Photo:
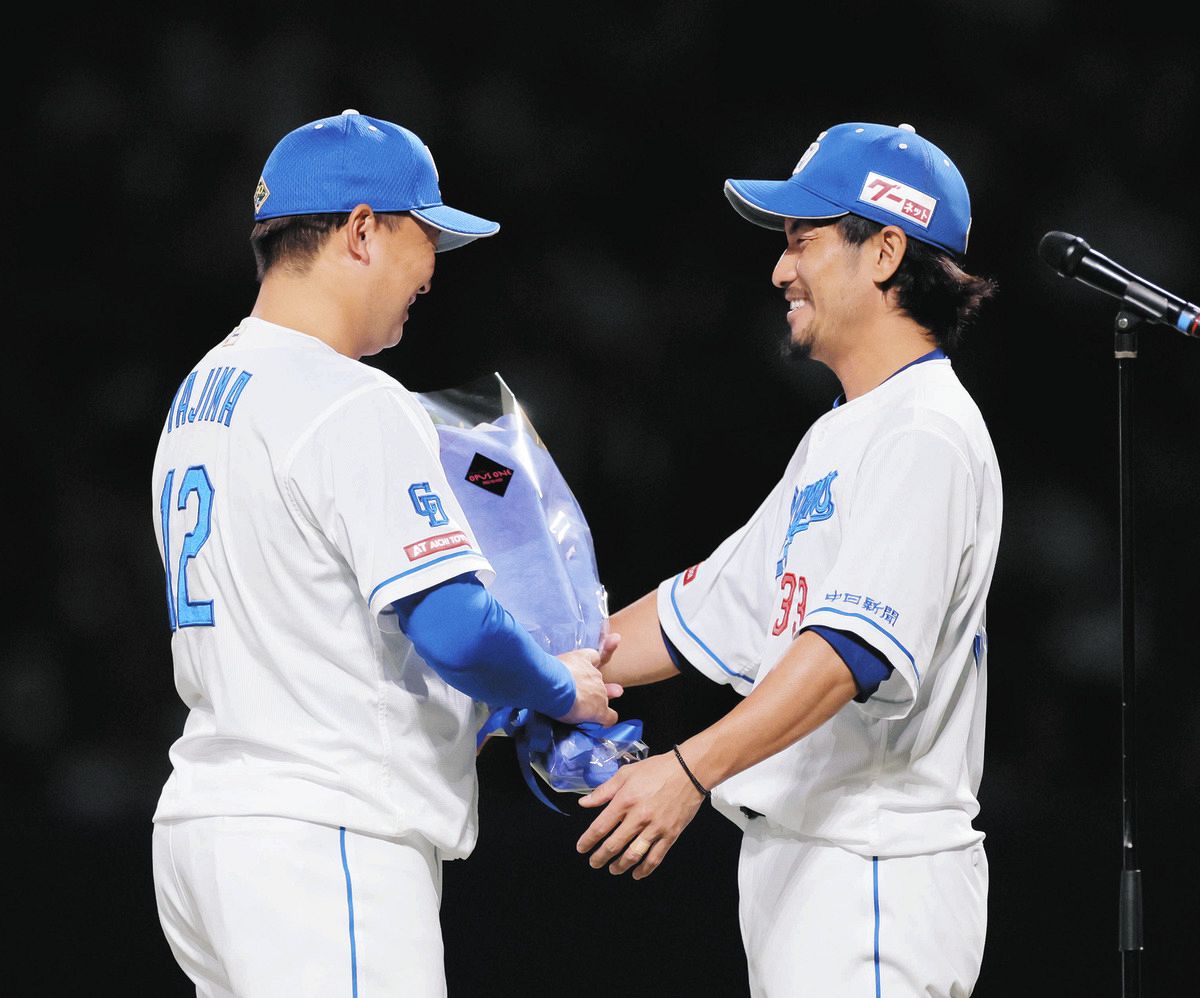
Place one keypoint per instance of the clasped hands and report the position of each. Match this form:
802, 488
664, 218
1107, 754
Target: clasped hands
647, 804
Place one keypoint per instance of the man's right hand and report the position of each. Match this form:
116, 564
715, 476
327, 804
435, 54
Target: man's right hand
592, 693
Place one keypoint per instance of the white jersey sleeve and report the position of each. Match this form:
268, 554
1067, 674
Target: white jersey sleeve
368, 478
713, 612
909, 528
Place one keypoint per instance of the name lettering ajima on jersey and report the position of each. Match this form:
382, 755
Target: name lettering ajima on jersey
218, 398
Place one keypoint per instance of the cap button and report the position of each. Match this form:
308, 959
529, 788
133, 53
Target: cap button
908, 128
351, 110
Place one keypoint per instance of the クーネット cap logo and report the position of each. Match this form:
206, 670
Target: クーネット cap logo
898, 198
261, 193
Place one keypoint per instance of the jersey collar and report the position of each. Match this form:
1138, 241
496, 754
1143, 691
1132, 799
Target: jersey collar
937, 353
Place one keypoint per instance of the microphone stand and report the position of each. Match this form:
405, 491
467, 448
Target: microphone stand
1130, 912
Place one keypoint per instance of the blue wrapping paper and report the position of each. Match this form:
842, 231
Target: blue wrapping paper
532, 530
568, 757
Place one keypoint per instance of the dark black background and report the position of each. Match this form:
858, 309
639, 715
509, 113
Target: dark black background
631, 310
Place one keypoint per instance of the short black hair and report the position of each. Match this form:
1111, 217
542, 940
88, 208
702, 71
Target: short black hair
294, 240
930, 284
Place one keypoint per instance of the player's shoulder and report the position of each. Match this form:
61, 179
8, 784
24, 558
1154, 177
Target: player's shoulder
935, 394
360, 402
941, 408
296, 382
309, 373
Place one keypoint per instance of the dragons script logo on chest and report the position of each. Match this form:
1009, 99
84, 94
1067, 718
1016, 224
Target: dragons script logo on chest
811, 504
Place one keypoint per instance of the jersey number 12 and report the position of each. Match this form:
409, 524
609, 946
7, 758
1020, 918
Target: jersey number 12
185, 612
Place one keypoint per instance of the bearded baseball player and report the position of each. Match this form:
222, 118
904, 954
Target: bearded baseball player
330, 629
848, 610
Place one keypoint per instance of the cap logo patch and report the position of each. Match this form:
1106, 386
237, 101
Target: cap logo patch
899, 199
261, 193
809, 153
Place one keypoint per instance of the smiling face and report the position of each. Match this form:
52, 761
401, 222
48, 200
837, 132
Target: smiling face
826, 287
402, 261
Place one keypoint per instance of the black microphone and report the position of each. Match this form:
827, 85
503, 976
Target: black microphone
1070, 256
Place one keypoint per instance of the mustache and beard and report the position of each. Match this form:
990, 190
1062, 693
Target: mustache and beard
792, 348
793, 351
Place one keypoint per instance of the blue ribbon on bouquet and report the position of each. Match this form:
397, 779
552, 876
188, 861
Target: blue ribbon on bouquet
533, 734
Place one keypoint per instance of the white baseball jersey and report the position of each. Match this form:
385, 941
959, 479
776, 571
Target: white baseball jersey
886, 525
296, 494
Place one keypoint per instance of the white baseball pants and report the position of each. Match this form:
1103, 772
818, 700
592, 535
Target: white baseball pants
258, 906
819, 921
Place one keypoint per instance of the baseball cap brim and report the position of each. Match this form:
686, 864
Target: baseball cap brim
457, 227
769, 202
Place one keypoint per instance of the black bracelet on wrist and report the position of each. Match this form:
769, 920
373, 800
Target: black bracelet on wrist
695, 782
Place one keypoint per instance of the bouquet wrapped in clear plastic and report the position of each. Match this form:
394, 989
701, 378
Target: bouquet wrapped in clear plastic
532, 530
568, 757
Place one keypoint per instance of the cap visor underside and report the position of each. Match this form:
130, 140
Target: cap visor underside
458, 227
769, 202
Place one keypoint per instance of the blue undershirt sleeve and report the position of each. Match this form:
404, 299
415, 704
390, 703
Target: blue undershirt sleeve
477, 647
682, 664
866, 665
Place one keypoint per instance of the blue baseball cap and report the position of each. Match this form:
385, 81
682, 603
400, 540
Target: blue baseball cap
336, 163
886, 173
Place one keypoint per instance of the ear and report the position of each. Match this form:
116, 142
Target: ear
890, 245
358, 234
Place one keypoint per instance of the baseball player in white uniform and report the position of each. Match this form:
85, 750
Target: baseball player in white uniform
330, 629
848, 610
